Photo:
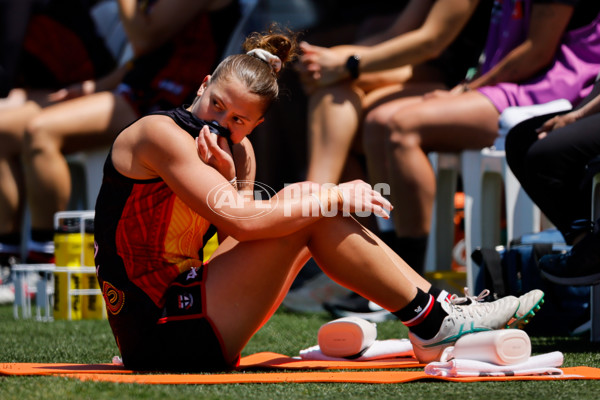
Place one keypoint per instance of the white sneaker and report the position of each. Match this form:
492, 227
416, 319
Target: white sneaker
530, 303
461, 320
467, 298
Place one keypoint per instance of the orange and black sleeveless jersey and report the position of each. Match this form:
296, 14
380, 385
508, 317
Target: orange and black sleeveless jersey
144, 233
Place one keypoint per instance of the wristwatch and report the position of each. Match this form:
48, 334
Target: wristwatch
352, 65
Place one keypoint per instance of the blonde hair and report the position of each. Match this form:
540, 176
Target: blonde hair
259, 76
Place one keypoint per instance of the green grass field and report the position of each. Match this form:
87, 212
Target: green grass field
92, 342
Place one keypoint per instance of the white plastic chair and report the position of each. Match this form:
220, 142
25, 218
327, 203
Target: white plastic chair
87, 184
447, 167
486, 176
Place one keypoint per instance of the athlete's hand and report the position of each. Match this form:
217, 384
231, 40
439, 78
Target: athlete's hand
359, 196
214, 151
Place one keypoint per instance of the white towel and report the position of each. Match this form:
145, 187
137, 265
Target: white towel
511, 116
543, 364
380, 349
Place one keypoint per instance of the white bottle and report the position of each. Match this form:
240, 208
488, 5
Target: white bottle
500, 347
346, 337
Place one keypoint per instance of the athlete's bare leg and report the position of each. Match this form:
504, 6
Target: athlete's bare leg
247, 281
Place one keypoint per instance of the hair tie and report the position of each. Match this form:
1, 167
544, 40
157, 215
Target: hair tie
264, 55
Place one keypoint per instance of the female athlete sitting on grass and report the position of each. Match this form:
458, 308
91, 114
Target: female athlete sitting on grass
169, 182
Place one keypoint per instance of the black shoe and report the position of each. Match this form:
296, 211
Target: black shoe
578, 266
355, 305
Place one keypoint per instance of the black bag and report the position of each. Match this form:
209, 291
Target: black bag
514, 271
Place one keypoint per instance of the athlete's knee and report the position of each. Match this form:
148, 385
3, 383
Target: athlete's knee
37, 137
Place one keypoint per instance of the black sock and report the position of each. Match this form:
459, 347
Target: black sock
423, 315
412, 250
438, 294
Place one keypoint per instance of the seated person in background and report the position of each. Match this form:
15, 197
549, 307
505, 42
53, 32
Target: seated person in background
550, 154
60, 47
173, 41
536, 51
430, 45
166, 178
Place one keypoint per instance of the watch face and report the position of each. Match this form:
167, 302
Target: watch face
352, 65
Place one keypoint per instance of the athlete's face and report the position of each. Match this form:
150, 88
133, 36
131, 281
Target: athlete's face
230, 104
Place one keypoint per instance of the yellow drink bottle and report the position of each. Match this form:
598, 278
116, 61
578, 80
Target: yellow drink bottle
67, 253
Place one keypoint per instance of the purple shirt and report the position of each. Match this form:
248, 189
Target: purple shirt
569, 76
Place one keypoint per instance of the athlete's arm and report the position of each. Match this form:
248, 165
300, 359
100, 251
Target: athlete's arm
155, 147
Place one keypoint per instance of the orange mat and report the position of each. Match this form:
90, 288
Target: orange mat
264, 360
59, 368
323, 377
115, 373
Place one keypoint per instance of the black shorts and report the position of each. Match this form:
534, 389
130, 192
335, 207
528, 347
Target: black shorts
177, 337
